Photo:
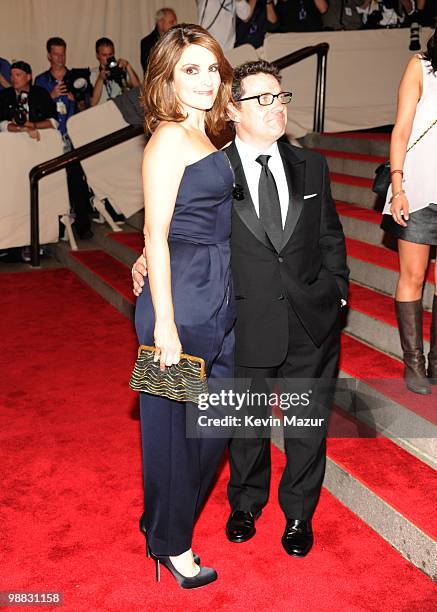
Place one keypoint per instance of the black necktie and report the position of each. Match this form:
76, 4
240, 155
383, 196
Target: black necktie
269, 206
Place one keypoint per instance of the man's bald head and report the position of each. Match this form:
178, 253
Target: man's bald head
165, 19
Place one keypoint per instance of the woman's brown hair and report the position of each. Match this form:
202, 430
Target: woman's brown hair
159, 99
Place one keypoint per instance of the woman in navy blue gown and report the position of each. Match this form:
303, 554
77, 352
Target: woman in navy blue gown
187, 298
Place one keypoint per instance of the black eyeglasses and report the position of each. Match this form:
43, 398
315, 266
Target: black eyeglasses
266, 99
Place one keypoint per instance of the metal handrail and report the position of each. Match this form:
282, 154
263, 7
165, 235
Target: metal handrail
321, 50
58, 163
110, 140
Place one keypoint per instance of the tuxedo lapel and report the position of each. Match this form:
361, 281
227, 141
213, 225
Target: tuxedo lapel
242, 202
295, 174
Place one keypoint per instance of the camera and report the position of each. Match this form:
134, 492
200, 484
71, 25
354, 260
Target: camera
77, 82
374, 18
116, 73
386, 15
20, 112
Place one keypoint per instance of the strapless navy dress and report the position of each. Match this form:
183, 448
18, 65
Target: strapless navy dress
178, 470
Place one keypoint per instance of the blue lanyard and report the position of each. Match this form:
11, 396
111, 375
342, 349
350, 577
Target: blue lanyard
108, 86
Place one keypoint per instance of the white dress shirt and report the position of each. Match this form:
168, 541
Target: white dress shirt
252, 171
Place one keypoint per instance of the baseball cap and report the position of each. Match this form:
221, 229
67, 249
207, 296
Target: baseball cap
20, 65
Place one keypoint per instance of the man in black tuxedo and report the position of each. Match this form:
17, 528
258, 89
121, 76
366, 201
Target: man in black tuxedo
290, 281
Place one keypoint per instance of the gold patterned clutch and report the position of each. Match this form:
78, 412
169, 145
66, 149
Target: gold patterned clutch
182, 382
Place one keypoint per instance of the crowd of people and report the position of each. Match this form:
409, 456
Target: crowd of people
237, 22
48, 101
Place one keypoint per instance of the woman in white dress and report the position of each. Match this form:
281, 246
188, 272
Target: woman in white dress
410, 212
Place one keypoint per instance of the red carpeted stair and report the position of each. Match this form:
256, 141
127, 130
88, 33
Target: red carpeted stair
383, 373
107, 268
379, 256
376, 159
133, 240
347, 179
358, 212
380, 307
403, 481
71, 493
360, 135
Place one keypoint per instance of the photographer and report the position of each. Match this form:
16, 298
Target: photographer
343, 15
262, 20
381, 14
300, 15
219, 17
58, 82
112, 77
5, 74
25, 107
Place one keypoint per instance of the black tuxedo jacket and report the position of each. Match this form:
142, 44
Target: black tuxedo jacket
147, 44
41, 104
308, 268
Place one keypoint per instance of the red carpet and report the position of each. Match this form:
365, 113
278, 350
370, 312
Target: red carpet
72, 495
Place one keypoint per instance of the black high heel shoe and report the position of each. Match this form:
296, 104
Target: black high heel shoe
149, 552
204, 577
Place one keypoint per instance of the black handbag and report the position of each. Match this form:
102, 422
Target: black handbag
382, 179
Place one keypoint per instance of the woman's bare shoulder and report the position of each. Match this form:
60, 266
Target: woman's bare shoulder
168, 131
414, 66
168, 137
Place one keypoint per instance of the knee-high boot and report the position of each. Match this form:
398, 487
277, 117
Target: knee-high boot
410, 318
432, 355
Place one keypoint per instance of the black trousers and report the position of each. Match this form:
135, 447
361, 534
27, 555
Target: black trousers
301, 481
79, 197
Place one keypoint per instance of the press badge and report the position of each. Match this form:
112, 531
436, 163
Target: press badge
61, 108
348, 11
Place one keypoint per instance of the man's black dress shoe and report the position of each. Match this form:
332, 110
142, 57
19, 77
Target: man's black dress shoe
241, 525
298, 537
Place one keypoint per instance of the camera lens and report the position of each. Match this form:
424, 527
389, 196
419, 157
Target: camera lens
20, 116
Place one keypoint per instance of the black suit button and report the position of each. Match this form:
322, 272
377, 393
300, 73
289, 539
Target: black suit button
280, 259
281, 297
